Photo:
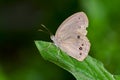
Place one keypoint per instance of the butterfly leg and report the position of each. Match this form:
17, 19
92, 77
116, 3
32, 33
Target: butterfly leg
48, 46
58, 53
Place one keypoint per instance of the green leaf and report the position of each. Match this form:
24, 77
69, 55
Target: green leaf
89, 69
117, 77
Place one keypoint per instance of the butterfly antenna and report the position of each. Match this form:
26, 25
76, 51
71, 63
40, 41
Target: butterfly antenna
47, 30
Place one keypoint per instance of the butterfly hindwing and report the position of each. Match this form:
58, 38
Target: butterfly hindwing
77, 48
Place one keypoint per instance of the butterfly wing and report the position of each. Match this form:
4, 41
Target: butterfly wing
76, 22
76, 48
71, 35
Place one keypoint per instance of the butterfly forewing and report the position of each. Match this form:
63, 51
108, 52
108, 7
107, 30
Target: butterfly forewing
77, 21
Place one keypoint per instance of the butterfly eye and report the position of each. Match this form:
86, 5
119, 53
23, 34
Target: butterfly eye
78, 36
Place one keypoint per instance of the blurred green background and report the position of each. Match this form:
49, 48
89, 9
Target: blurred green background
19, 24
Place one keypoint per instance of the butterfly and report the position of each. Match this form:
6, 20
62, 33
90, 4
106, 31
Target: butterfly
71, 37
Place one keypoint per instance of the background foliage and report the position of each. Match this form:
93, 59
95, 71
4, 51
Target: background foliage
19, 24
